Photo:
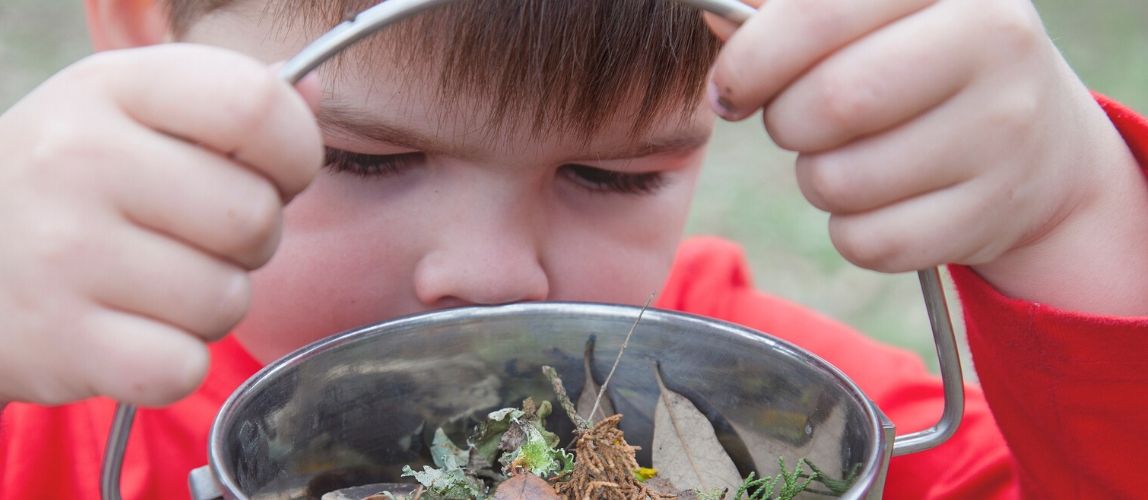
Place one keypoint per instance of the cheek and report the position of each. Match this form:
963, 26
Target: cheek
341, 264
619, 250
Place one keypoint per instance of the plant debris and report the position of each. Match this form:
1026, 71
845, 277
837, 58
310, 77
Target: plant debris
589, 398
525, 486
511, 455
605, 467
686, 449
788, 484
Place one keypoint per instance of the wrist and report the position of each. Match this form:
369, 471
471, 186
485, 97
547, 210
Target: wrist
1089, 256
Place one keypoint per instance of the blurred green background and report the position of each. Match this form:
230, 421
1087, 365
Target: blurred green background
748, 192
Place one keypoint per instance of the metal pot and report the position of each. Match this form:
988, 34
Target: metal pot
354, 408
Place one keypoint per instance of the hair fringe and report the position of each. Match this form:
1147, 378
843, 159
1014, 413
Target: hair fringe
557, 66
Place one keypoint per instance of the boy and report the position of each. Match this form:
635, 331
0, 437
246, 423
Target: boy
495, 152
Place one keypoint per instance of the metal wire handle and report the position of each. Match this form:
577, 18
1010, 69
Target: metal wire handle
388, 12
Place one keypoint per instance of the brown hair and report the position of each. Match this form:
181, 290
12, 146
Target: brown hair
566, 64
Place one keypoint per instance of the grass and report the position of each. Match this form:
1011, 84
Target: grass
747, 192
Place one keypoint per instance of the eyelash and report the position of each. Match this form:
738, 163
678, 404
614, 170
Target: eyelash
364, 165
595, 180
598, 180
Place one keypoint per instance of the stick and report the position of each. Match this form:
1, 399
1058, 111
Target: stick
625, 343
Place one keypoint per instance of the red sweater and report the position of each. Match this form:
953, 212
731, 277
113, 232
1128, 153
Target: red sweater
1067, 390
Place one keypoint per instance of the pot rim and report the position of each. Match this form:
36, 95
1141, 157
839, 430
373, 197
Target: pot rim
872, 467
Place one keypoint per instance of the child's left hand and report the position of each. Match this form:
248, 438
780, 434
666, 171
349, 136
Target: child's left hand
945, 131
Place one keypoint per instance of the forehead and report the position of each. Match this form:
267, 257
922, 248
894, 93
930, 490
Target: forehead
554, 67
358, 113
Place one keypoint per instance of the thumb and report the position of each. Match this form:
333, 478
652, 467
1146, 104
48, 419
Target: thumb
309, 88
724, 28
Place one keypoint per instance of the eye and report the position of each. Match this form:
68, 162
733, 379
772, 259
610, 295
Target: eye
599, 180
365, 165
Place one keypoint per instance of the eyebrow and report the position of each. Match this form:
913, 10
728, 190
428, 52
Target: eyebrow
357, 124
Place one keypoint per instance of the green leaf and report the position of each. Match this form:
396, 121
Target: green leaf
446, 485
538, 455
446, 454
484, 443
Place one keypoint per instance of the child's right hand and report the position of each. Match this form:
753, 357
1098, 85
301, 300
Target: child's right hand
137, 189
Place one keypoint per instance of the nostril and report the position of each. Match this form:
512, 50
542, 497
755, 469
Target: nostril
449, 302
444, 280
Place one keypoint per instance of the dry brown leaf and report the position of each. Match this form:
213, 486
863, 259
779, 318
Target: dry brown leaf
686, 449
590, 391
525, 486
765, 448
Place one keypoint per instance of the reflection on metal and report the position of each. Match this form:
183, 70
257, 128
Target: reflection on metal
114, 452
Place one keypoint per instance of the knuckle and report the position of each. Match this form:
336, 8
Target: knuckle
255, 101
59, 144
194, 364
1013, 27
255, 222
23, 378
159, 378
311, 161
864, 248
164, 385
49, 392
821, 20
823, 182
788, 130
232, 300
844, 101
65, 246
1014, 115
95, 67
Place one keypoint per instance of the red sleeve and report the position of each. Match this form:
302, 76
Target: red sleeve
56, 452
710, 278
1069, 390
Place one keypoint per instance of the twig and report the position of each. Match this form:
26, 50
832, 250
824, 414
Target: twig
563, 398
625, 343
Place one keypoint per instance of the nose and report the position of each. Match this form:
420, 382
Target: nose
487, 255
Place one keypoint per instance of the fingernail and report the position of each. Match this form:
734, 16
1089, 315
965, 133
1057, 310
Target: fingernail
720, 104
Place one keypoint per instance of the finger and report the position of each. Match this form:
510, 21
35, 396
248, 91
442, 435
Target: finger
954, 142
198, 197
875, 83
898, 164
310, 88
136, 360
786, 38
923, 232
223, 101
159, 278
719, 26
722, 27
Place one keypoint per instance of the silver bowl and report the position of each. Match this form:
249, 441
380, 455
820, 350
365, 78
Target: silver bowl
354, 408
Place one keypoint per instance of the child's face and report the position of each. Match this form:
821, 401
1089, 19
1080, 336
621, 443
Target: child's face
440, 214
